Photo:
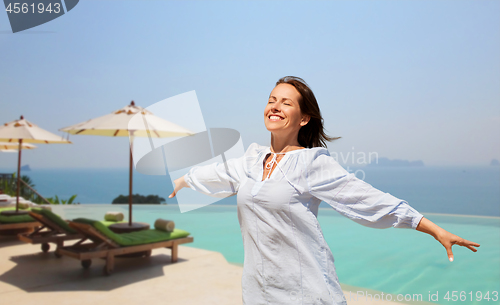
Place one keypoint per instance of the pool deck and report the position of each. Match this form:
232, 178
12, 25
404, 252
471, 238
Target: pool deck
28, 276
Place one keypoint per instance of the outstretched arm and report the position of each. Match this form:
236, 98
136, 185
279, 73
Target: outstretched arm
446, 238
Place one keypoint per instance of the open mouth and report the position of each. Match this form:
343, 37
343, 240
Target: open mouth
273, 117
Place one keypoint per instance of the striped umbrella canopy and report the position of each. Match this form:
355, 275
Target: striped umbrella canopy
21, 132
119, 123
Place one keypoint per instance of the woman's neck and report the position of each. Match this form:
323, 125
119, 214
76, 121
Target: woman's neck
283, 144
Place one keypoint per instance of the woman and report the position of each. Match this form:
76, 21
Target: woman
279, 189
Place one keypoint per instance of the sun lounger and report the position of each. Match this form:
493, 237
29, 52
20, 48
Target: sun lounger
10, 224
108, 245
53, 230
8, 201
5, 200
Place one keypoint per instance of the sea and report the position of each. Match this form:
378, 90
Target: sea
372, 264
447, 190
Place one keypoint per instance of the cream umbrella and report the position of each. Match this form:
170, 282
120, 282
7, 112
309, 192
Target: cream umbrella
119, 124
24, 131
14, 147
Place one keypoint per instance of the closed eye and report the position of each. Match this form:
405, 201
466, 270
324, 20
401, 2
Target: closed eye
286, 102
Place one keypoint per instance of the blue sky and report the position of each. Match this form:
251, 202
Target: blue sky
417, 80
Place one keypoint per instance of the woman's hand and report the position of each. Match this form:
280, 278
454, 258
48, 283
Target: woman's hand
446, 238
179, 184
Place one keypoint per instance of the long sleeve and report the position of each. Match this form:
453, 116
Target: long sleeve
220, 179
356, 199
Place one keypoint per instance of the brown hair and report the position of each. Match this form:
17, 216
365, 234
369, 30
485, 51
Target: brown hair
312, 134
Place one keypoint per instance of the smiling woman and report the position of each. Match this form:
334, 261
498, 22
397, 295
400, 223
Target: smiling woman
298, 101
279, 189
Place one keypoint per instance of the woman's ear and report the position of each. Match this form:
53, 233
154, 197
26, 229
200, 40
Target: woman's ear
305, 120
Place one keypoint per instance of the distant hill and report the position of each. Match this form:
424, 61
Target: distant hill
495, 162
25, 168
385, 162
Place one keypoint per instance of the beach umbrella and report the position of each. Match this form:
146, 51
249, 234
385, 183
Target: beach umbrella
14, 147
21, 132
119, 124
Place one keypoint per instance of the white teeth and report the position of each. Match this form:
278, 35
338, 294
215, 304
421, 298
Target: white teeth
275, 117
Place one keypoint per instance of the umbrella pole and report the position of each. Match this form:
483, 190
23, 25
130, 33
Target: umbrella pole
130, 186
18, 173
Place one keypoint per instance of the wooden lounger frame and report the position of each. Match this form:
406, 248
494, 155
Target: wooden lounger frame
53, 233
103, 247
20, 225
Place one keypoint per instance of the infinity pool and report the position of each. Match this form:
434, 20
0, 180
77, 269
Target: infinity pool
396, 261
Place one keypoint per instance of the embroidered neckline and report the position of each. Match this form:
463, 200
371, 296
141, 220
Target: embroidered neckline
269, 165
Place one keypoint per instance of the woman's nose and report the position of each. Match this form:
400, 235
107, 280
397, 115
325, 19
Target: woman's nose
276, 107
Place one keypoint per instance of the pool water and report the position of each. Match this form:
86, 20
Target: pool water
396, 261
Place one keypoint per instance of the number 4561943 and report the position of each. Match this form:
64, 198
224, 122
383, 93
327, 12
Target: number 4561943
17, 8
464, 296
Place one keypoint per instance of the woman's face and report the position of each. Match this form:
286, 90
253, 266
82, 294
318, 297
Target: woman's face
282, 113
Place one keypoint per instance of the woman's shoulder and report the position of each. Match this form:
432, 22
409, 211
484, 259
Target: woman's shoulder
255, 146
320, 166
255, 150
318, 157
316, 153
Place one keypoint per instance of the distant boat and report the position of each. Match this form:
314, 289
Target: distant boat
25, 168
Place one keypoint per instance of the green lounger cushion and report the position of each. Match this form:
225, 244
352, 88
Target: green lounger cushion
61, 222
55, 218
10, 209
13, 208
108, 223
134, 238
16, 219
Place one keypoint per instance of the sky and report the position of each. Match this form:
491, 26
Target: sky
414, 80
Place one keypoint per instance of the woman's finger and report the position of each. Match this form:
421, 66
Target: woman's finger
449, 252
461, 242
468, 244
473, 243
471, 248
178, 184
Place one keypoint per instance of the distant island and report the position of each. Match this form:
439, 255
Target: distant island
25, 168
495, 162
385, 162
136, 198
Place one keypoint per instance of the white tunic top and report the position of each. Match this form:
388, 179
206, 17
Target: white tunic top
287, 260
